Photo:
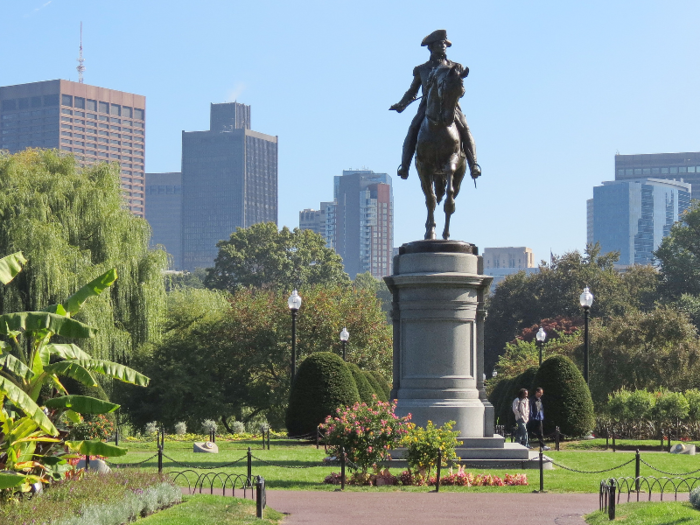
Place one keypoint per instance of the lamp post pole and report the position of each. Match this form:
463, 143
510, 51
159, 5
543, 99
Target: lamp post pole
540, 337
586, 301
344, 336
294, 303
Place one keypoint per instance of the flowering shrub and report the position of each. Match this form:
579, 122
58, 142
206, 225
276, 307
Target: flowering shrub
406, 478
467, 479
93, 427
368, 433
423, 445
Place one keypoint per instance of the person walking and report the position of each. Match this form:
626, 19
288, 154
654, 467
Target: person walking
521, 410
537, 417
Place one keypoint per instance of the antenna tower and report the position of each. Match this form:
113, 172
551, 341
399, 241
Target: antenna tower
81, 66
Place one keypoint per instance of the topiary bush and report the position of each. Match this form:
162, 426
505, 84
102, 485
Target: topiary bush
382, 382
376, 387
364, 388
567, 400
695, 497
322, 384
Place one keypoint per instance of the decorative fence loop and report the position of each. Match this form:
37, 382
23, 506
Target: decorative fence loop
649, 485
232, 481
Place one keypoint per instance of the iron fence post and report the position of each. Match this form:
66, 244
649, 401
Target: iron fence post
318, 435
268, 439
556, 439
636, 471
611, 500
116, 436
613, 439
260, 497
250, 463
342, 468
541, 471
87, 462
439, 465
160, 460
263, 438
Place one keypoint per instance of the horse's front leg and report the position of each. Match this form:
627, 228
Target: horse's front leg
449, 203
430, 203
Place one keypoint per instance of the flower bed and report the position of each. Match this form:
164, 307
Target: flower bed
459, 478
107, 499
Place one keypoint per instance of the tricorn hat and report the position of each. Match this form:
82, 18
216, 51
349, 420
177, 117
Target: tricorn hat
436, 36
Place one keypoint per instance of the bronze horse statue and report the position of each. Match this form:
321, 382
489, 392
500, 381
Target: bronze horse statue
440, 159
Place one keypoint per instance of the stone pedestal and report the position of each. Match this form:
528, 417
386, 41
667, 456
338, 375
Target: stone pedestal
438, 316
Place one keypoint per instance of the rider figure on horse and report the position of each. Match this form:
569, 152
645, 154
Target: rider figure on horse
437, 44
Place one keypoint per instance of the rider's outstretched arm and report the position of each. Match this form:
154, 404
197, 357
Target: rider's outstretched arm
410, 95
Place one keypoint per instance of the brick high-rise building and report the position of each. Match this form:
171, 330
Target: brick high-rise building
93, 123
229, 180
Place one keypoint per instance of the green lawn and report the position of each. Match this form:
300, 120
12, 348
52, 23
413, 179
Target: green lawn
627, 444
671, 513
212, 510
285, 454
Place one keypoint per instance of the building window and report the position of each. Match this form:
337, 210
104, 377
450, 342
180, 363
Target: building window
67, 111
91, 105
36, 102
118, 121
9, 105
92, 116
66, 100
116, 110
104, 107
127, 112
691, 169
654, 171
51, 100
24, 103
664, 170
682, 169
80, 102
138, 114
102, 117
674, 170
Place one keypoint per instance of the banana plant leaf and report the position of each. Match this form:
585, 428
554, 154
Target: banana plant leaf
14, 365
92, 289
8, 481
82, 404
22, 401
67, 351
42, 322
10, 266
96, 448
115, 370
73, 370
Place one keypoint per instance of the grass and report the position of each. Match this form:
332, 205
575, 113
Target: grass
285, 453
203, 509
652, 445
667, 513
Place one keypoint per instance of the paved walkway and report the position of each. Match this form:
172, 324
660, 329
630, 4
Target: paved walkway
407, 508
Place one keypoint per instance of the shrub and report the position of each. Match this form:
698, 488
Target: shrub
322, 384
695, 497
181, 428
567, 400
93, 427
238, 427
383, 383
367, 433
364, 388
382, 394
151, 428
209, 426
423, 445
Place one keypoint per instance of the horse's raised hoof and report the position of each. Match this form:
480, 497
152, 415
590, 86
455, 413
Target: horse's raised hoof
446, 235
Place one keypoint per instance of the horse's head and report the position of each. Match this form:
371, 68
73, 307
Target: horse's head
445, 89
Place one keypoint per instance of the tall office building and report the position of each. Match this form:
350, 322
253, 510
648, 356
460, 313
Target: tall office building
632, 216
229, 180
359, 223
667, 166
93, 123
164, 213
502, 262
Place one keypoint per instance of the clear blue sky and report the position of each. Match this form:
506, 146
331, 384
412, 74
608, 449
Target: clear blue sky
555, 89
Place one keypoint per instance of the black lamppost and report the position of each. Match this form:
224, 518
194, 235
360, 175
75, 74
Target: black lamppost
294, 303
586, 301
541, 336
344, 336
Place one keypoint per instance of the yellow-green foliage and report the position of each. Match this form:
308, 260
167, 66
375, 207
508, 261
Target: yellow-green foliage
72, 225
423, 445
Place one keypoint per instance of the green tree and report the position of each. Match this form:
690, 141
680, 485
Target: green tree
263, 257
72, 225
367, 281
678, 257
221, 358
522, 300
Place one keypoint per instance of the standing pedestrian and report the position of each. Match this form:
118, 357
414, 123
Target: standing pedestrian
521, 410
537, 417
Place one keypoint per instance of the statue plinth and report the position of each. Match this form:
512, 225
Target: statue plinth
438, 317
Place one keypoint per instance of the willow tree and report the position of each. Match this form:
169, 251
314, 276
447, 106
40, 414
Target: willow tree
72, 225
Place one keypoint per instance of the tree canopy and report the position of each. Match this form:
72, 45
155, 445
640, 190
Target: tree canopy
263, 257
72, 225
678, 257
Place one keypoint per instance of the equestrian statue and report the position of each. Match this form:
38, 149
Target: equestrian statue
439, 134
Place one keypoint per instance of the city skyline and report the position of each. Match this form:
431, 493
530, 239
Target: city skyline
548, 104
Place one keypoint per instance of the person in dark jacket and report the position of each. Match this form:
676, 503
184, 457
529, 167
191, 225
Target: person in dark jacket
537, 417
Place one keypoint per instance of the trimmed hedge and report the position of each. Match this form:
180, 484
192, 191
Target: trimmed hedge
376, 386
364, 388
567, 400
323, 383
382, 383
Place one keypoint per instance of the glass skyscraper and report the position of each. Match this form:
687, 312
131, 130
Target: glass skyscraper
632, 216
